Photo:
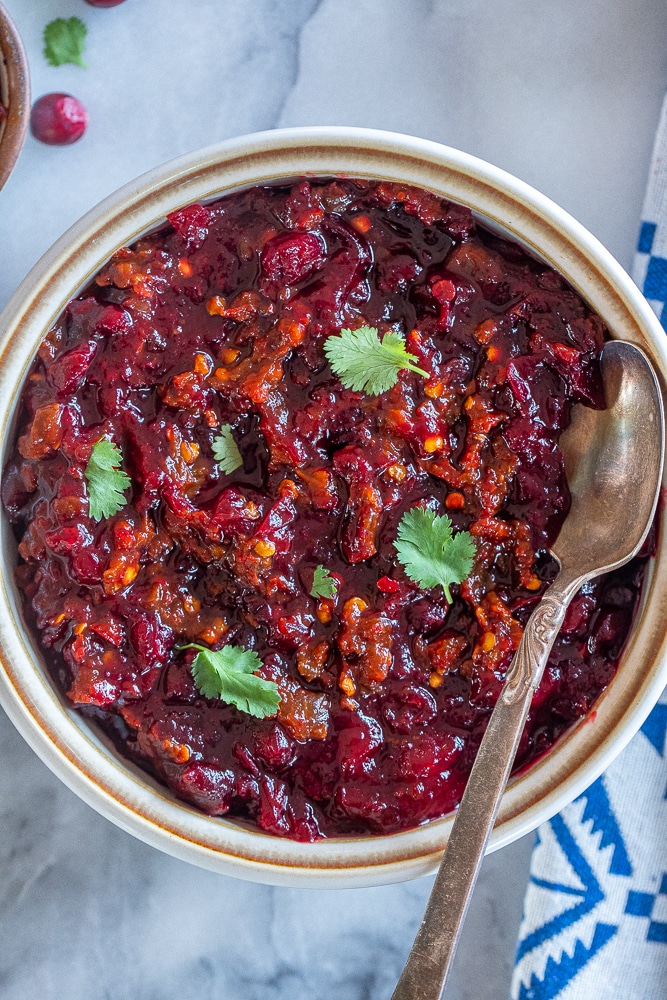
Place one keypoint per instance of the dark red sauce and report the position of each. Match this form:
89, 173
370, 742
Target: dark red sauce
220, 317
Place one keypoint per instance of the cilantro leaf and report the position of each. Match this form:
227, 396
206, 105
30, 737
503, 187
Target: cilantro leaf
428, 551
106, 480
364, 364
324, 585
229, 674
226, 451
64, 41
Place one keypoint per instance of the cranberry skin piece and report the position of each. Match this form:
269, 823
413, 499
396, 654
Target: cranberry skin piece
68, 373
274, 809
104, 3
357, 743
191, 223
58, 119
275, 747
209, 787
151, 639
291, 257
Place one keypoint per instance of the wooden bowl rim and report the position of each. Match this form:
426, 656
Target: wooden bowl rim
14, 92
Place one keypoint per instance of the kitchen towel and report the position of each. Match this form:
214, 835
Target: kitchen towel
595, 914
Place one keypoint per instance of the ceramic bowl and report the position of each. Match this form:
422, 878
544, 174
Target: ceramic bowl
75, 750
14, 94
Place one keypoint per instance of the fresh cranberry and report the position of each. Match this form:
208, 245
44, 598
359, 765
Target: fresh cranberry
58, 119
104, 3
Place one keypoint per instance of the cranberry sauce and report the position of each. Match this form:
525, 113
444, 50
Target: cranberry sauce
220, 318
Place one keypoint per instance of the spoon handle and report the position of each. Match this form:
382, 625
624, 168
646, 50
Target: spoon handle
429, 962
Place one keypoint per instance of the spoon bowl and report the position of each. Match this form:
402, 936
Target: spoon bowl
611, 460
614, 460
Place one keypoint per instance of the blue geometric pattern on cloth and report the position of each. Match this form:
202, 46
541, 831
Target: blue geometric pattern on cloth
595, 917
598, 809
595, 914
580, 891
646, 237
587, 893
655, 282
559, 975
652, 274
643, 904
655, 728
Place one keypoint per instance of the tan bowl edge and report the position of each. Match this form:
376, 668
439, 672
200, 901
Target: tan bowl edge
14, 94
83, 759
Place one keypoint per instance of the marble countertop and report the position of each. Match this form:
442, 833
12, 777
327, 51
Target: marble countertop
566, 96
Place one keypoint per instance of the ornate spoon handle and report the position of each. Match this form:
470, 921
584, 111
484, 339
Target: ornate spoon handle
429, 962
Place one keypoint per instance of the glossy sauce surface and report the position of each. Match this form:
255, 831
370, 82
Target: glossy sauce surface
218, 318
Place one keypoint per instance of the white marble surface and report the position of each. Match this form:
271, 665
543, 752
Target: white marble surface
566, 95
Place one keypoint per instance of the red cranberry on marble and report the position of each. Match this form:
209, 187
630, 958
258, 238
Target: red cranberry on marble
58, 119
104, 3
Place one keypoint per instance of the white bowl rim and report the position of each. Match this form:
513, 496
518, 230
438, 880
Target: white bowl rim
81, 757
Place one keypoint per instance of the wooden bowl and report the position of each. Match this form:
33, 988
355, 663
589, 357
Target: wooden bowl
14, 94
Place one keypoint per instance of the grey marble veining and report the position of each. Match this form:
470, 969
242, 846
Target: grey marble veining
88, 912
566, 95
164, 77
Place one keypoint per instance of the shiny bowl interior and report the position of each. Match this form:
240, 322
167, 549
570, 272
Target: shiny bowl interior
75, 750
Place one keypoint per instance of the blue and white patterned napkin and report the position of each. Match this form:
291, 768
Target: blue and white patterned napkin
595, 914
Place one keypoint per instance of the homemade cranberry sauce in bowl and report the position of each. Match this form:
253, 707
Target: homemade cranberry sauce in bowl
283, 477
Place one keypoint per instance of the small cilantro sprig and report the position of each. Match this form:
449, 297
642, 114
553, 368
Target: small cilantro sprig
366, 364
226, 451
229, 674
64, 41
324, 584
428, 551
106, 480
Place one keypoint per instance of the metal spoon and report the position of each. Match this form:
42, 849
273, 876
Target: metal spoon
613, 460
